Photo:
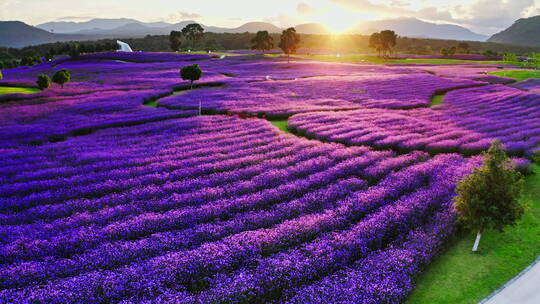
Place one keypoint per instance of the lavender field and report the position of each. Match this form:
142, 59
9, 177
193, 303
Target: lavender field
115, 189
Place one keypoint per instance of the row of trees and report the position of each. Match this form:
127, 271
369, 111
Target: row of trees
289, 41
60, 77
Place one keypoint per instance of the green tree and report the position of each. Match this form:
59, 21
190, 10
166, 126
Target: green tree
61, 77
463, 47
383, 42
375, 42
191, 72
389, 41
289, 42
43, 81
193, 32
1, 75
262, 41
175, 40
445, 52
489, 197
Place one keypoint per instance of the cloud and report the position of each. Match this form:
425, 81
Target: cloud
485, 16
181, 16
304, 9
74, 18
283, 20
367, 7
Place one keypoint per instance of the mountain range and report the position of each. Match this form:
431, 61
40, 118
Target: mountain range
18, 34
523, 32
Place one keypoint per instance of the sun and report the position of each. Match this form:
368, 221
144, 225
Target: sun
338, 21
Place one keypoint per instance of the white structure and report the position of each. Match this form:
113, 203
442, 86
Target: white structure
124, 47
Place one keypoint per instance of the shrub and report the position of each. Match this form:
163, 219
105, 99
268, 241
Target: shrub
43, 81
191, 73
1, 75
61, 77
489, 197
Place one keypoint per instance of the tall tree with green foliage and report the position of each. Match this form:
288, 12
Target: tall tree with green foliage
61, 77
175, 40
262, 41
375, 42
191, 72
43, 81
383, 42
289, 42
489, 197
193, 32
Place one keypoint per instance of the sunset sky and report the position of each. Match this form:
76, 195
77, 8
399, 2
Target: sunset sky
483, 16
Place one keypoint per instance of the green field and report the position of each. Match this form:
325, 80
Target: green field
14, 90
281, 124
458, 276
518, 75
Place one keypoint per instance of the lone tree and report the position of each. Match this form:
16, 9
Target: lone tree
43, 81
193, 32
191, 73
262, 41
384, 42
489, 197
289, 42
61, 77
175, 39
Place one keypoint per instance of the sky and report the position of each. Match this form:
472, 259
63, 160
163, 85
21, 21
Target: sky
481, 16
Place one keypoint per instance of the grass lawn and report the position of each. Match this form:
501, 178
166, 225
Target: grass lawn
377, 60
437, 100
281, 124
459, 276
14, 90
518, 75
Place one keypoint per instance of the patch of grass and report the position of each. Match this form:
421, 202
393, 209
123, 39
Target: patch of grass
437, 99
281, 124
152, 104
16, 90
460, 277
518, 75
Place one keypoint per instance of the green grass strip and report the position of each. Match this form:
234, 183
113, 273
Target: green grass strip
461, 277
16, 90
281, 124
518, 75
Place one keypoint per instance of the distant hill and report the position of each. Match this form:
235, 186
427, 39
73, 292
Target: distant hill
312, 28
18, 34
412, 27
64, 27
525, 31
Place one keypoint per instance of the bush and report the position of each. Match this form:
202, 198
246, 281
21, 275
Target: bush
1, 75
489, 197
191, 73
61, 77
43, 82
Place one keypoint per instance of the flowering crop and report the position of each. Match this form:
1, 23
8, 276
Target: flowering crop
283, 98
467, 123
107, 200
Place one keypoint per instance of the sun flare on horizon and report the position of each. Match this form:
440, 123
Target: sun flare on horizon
339, 20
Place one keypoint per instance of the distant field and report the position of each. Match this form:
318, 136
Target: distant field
518, 75
378, 60
15, 90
